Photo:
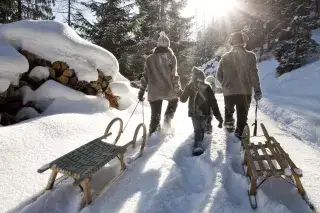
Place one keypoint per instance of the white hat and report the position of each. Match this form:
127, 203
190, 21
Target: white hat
163, 40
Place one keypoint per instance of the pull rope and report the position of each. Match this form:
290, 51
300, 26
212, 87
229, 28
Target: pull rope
133, 113
142, 112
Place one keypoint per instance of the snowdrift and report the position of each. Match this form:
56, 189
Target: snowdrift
12, 63
55, 41
293, 99
70, 119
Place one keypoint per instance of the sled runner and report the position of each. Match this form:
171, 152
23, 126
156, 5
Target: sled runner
83, 162
271, 161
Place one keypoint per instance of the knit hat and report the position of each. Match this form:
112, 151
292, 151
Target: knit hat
163, 40
198, 74
238, 39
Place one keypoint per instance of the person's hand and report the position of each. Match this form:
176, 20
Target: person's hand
140, 95
180, 92
220, 122
257, 95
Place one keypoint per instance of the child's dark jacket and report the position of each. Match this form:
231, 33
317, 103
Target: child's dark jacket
201, 99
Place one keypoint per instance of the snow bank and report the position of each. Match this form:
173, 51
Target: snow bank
55, 41
12, 63
293, 99
70, 120
39, 73
4, 84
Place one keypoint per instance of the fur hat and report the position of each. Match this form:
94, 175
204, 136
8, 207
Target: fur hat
198, 74
163, 40
238, 39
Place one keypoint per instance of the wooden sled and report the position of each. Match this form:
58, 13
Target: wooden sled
273, 162
83, 162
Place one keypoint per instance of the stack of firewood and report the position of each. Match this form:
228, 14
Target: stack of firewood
11, 100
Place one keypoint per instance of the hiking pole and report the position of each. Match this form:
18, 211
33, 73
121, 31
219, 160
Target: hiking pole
255, 121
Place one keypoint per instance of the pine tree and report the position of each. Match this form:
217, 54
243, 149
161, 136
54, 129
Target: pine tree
35, 9
114, 28
71, 10
8, 11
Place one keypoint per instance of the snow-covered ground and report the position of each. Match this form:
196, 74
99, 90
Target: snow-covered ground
166, 179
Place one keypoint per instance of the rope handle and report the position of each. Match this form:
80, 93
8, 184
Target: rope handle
133, 113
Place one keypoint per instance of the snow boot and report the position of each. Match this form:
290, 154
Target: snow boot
238, 134
197, 149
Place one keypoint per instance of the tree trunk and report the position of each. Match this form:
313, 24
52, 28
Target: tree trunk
69, 12
162, 14
19, 10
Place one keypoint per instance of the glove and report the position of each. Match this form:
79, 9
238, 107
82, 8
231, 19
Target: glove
140, 95
180, 92
220, 122
257, 95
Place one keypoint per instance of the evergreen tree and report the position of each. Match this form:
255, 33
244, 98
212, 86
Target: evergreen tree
71, 10
15, 10
35, 9
114, 28
8, 11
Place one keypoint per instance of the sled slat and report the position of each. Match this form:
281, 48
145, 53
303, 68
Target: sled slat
275, 154
261, 166
272, 167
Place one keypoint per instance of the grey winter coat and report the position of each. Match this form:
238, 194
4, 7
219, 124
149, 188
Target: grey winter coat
160, 75
238, 72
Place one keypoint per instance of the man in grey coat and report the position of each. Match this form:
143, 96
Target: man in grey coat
162, 81
238, 75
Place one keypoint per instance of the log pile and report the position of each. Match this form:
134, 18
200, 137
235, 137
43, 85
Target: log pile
11, 101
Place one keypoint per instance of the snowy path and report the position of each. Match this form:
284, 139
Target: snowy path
169, 179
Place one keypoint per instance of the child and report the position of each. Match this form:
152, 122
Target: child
212, 82
201, 101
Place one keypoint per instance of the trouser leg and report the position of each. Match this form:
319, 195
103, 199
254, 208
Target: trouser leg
171, 110
243, 105
209, 125
199, 125
156, 107
229, 104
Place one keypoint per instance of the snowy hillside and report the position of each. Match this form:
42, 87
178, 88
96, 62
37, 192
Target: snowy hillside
293, 99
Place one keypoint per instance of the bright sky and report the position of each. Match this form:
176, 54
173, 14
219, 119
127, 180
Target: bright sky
202, 10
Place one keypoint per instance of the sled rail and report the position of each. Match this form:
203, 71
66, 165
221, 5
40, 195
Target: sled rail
85, 161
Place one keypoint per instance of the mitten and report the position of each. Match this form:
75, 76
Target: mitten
257, 95
140, 95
